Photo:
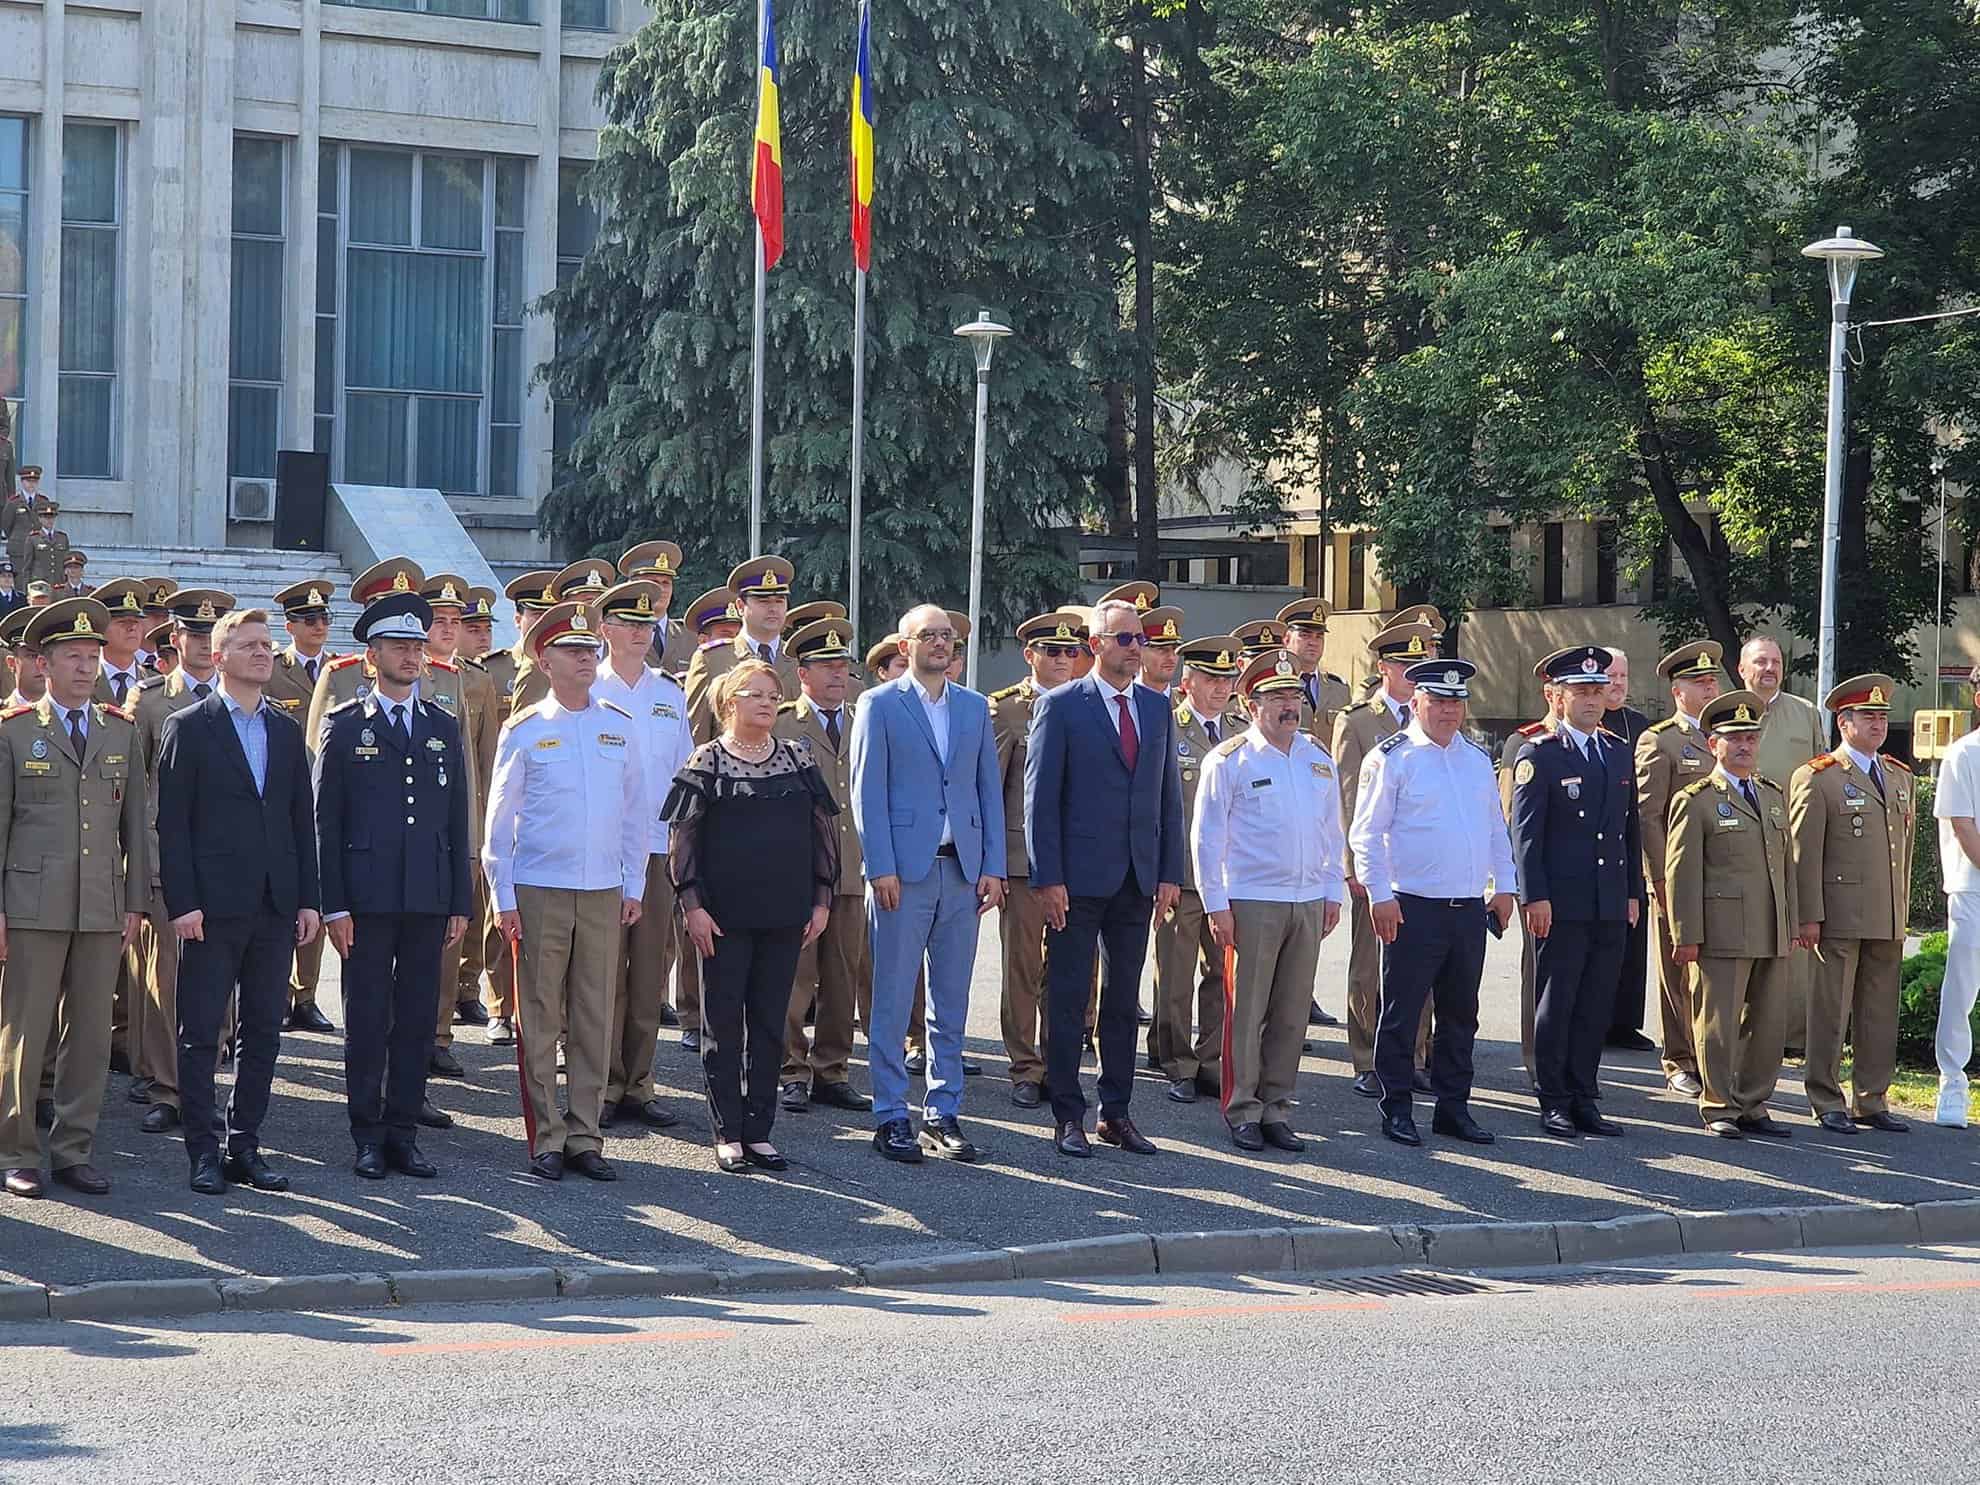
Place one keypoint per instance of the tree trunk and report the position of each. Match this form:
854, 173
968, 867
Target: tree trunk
1706, 577
1147, 496
1115, 484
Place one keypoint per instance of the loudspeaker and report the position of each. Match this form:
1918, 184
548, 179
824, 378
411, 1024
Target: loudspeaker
302, 500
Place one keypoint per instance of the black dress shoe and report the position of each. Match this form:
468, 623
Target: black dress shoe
1588, 1119
24, 1181
944, 1137
406, 1159
1183, 1090
1071, 1140
307, 1017
1209, 1085
895, 1140
1027, 1095
120, 1061
1420, 1081
84, 1179
1885, 1121
1367, 1085
1122, 1134
917, 1064
548, 1166
1401, 1128
1459, 1125
209, 1176
471, 1012
841, 1095
656, 1115
1767, 1125
668, 1016
1836, 1122
370, 1162
162, 1119
591, 1164
1629, 1041
691, 1042
251, 1168
444, 1064
1560, 1124
770, 1159
1247, 1136
1315, 1016
608, 1114
44, 1113
432, 1116
140, 1091
972, 1069
1725, 1129
795, 1097
1279, 1135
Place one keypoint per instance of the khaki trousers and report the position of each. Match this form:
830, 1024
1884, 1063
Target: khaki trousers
474, 948
157, 1056
1796, 991
570, 944
1364, 996
55, 1001
1674, 999
1853, 994
456, 982
302, 979
835, 974
1021, 926
1278, 945
1736, 1032
498, 995
1189, 994
639, 988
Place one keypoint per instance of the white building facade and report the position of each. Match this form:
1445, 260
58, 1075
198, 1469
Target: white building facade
229, 227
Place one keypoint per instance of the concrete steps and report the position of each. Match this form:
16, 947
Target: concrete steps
253, 575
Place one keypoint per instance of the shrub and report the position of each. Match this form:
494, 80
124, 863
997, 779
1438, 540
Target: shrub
1928, 892
1918, 1004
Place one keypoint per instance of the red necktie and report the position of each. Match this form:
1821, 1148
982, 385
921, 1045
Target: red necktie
1130, 742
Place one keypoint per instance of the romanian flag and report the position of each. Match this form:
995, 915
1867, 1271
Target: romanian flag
766, 170
862, 148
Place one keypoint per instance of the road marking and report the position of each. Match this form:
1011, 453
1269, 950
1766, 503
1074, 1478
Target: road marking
548, 1343
1842, 1286
1192, 1312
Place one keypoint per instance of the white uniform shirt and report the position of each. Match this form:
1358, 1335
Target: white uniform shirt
936, 710
1427, 820
1268, 824
1958, 795
563, 781
659, 709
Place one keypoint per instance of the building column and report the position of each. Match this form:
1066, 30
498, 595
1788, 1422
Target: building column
305, 182
540, 257
209, 285
44, 330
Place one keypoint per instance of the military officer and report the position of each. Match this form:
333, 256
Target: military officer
1260, 636
163, 650
1049, 640
16, 502
116, 685
157, 591
395, 895
674, 641
1186, 1039
1852, 814
27, 672
1358, 731
884, 660
531, 594
1575, 841
73, 840
800, 614
1626, 1021
74, 564
46, 547
306, 614
1161, 628
478, 626
1534, 731
1734, 916
1670, 756
763, 584
581, 582
1325, 693
716, 618
155, 1053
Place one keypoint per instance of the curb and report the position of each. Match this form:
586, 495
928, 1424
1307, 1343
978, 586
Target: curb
1307, 1248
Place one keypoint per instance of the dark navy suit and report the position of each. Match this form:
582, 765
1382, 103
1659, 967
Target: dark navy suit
1576, 840
1632, 987
1109, 836
392, 833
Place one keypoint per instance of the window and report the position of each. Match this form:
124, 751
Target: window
1605, 561
1660, 571
487, 10
587, 15
419, 313
13, 275
254, 347
577, 232
86, 410
1552, 562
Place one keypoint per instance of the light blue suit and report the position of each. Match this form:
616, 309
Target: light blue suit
904, 792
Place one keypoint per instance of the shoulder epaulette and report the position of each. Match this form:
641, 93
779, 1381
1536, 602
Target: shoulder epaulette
1011, 690
438, 664
108, 709
1663, 726
1898, 763
787, 706
1228, 746
1476, 744
1184, 716
1533, 729
1770, 783
1393, 741
153, 682
471, 662
1692, 788
343, 706
341, 662
1611, 732
1821, 761
15, 711
613, 706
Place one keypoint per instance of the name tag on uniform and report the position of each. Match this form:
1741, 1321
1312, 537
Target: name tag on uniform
289, 705
1321, 771
662, 709
1732, 824
435, 745
33, 765
1261, 783
611, 740
113, 757
365, 752
543, 743
1573, 786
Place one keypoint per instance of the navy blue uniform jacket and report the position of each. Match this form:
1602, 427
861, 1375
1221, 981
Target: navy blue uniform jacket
392, 825
1575, 831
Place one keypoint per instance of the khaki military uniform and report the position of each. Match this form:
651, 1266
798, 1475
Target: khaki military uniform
499, 996
1670, 756
483, 706
1021, 921
672, 654
154, 958
835, 970
1790, 735
1318, 722
73, 841
1529, 966
1189, 967
1732, 893
1852, 868
290, 688
1357, 732
711, 664
42, 556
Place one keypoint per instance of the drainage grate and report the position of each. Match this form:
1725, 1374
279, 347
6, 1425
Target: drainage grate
1405, 1283
1593, 1278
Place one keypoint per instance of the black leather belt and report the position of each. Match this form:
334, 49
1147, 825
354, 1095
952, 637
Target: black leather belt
1445, 902
947, 848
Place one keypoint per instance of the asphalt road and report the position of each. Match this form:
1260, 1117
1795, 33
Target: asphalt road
841, 1202
1816, 1366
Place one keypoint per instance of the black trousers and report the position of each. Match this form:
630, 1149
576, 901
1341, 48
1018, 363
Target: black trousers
391, 987
745, 991
1118, 927
1575, 968
1438, 955
252, 951
1632, 980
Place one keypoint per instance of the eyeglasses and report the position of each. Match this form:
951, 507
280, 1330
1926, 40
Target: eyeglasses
1134, 639
934, 636
1058, 652
758, 696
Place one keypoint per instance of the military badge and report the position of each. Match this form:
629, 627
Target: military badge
40, 748
1523, 774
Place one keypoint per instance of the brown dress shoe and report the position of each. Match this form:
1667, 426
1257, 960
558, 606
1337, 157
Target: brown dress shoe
24, 1182
1121, 1132
86, 1179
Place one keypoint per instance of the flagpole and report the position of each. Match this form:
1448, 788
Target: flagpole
859, 446
756, 352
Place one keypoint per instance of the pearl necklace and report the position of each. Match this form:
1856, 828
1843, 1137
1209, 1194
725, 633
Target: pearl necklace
750, 752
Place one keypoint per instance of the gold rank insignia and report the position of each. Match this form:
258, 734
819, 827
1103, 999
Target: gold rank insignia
207, 611
1876, 696
769, 581
448, 594
400, 583
1064, 631
82, 625
1141, 603
549, 593
1415, 645
315, 599
833, 637
1169, 630
662, 565
1224, 658
1744, 713
159, 595
645, 604
130, 605
579, 622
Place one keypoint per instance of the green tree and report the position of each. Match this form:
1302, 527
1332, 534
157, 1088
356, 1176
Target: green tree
988, 194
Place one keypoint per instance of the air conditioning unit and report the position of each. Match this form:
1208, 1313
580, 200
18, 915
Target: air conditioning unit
250, 500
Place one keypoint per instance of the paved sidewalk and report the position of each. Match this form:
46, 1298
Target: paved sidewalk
840, 1202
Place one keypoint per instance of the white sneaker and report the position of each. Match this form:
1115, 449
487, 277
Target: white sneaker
1951, 1113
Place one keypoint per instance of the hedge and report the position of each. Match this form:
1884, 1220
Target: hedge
1928, 892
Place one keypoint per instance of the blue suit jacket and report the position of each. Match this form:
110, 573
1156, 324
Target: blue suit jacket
902, 791
1575, 828
1088, 821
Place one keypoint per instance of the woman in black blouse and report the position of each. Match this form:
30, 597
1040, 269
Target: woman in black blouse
755, 860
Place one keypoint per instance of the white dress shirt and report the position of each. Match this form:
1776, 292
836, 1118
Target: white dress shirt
1109, 694
1268, 824
936, 710
563, 780
1427, 821
659, 709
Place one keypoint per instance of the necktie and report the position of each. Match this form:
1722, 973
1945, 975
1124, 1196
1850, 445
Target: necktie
1752, 799
76, 739
120, 687
202, 690
768, 658
309, 668
1130, 740
1210, 730
1877, 777
832, 728
399, 726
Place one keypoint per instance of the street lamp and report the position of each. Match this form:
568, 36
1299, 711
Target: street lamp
982, 333
1843, 253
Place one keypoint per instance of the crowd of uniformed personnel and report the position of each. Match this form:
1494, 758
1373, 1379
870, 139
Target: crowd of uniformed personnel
1770, 873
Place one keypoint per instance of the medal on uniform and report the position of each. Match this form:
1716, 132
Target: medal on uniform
40, 748
367, 737
443, 778
363, 691
435, 745
1573, 787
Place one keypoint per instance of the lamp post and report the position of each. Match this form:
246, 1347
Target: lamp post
1843, 253
1939, 612
982, 333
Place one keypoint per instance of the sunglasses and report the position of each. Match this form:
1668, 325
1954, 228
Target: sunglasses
1134, 639
1058, 652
